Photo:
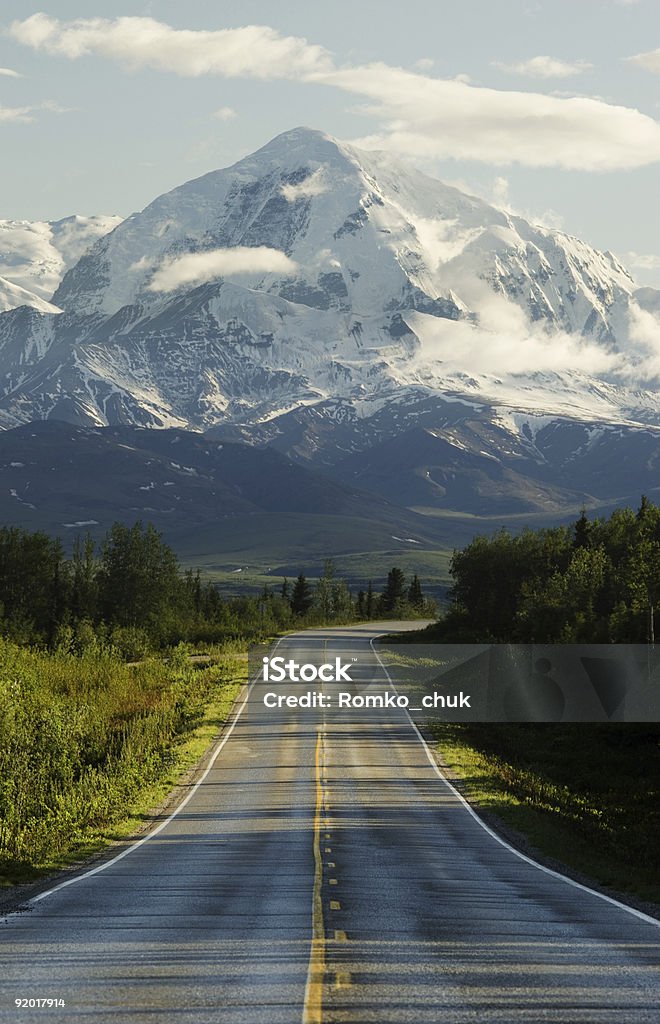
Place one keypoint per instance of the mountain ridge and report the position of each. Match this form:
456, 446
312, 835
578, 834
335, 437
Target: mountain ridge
325, 300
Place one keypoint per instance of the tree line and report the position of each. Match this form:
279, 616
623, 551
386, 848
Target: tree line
131, 592
595, 581
332, 599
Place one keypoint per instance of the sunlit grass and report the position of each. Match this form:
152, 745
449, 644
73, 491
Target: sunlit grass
89, 744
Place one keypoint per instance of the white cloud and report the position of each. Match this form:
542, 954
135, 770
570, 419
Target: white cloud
644, 266
500, 193
144, 263
224, 114
20, 115
650, 61
8, 73
420, 116
643, 351
425, 64
504, 343
545, 67
196, 268
26, 115
257, 51
643, 261
435, 119
314, 185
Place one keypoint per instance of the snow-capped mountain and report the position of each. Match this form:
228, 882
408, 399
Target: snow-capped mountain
324, 300
12, 296
368, 235
35, 255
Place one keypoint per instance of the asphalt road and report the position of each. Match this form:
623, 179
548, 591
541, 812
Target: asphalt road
324, 871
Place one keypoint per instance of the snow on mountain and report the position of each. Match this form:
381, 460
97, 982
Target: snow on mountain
368, 233
12, 295
314, 295
35, 255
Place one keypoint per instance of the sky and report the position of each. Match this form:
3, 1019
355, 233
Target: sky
550, 108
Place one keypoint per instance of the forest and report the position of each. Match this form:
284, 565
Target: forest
597, 581
130, 594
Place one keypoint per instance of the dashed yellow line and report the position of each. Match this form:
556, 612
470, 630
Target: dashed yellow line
335, 905
313, 1006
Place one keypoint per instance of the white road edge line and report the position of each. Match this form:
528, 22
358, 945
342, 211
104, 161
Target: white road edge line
498, 839
163, 824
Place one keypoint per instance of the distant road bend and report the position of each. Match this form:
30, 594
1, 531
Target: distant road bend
324, 871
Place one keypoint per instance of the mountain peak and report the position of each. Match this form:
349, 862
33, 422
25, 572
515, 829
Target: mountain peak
311, 272
292, 149
301, 135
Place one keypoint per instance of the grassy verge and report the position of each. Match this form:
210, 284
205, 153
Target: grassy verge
584, 796
90, 746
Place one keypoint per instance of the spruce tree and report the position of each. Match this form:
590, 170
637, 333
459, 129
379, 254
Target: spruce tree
301, 598
370, 604
415, 595
394, 590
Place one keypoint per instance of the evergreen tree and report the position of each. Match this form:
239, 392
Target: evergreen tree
415, 595
301, 598
582, 531
370, 603
138, 578
84, 583
34, 582
394, 592
332, 599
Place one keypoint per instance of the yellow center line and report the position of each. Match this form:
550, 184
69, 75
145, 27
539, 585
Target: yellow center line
313, 1006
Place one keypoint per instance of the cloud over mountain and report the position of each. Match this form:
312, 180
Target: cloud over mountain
196, 268
420, 116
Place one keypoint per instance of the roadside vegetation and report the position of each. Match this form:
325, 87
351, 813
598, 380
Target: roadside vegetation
84, 737
597, 581
131, 595
587, 795
102, 702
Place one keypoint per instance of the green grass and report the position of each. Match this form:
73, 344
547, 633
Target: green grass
266, 549
264, 541
88, 746
585, 796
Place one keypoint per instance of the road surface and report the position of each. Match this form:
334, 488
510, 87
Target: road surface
323, 871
